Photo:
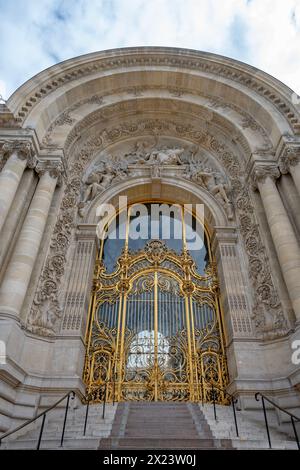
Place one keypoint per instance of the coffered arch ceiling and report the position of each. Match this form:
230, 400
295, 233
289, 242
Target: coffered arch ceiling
214, 94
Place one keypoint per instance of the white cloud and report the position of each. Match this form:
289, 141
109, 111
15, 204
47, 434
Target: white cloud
35, 34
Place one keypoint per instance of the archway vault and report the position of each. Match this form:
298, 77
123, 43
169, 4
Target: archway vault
99, 125
62, 95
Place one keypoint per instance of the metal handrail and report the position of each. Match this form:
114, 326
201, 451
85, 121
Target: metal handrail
88, 399
43, 413
292, 416
219, 388
233, 399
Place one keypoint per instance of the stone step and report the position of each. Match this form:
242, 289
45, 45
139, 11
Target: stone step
159, 425
156, 443
152, 426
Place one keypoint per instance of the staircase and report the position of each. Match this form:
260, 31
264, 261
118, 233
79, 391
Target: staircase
160, 425
97, 427
252, 430
153, 425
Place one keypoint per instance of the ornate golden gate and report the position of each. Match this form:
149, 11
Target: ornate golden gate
154, 329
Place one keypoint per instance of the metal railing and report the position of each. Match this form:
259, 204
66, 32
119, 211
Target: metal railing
213, 395
104, 398
43, 414
233, 400
292, 417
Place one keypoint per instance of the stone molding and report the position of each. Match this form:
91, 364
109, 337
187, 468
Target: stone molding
206, 110
164, 58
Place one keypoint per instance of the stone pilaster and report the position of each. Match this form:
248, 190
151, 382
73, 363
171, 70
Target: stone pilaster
17, 276
20, 156
281, 229
80, 277
233, 279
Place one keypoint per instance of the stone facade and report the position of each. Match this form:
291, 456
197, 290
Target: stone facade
149, 123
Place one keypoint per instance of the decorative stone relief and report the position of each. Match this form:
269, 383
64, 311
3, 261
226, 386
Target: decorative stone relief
214, 183
246, 122
46, 311
202, 111
65, 118
156, 157
268, 316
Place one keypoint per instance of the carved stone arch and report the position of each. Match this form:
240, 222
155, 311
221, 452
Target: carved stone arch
217, 114
222, 233
79, 162
238, 116
141, 189
261, 94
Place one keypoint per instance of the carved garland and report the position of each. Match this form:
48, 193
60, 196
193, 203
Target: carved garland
46, 311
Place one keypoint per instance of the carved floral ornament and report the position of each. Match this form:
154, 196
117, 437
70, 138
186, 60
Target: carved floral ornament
22, 148
46, 311
261, 172
54, 168
230, 117
25, 151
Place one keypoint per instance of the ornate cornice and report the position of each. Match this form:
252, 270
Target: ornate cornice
174, 61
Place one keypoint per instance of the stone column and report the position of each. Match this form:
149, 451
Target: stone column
282, 232
20, 156
290, 163
18, 273
16, 215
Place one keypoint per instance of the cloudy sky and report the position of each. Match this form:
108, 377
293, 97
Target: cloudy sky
35, 34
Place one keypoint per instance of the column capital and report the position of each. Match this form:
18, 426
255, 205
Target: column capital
290, 157
261, 172
23, 149
53, 168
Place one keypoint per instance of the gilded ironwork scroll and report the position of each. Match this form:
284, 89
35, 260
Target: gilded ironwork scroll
154, 330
